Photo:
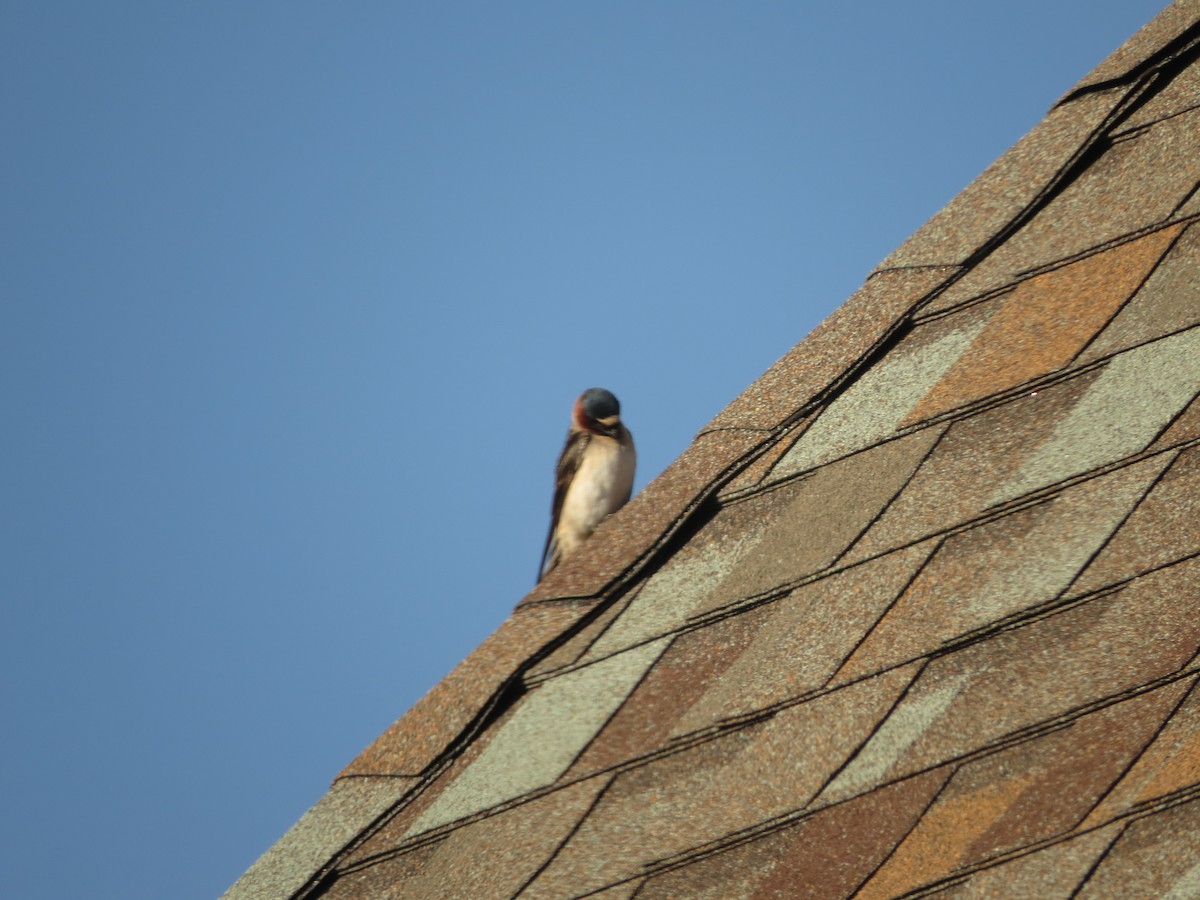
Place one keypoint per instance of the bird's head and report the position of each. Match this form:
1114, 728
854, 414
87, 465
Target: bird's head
598, 411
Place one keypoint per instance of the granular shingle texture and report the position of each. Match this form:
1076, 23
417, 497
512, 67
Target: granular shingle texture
918, 613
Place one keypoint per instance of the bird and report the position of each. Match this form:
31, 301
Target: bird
594, 475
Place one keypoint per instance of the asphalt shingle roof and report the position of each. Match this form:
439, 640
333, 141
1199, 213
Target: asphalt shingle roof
919, 610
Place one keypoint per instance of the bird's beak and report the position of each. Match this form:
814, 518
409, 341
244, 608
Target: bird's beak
608, 424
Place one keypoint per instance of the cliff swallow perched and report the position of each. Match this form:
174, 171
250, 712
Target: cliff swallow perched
594, 476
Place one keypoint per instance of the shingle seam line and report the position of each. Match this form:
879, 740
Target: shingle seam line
1033, 614
624, 601
908, 833
1163, 802
921, 666
1100, 857
640, 681
325, 875
879, 513
985, 516
1162, 726
1129, 299
964, 874
1180, 413
501, 699
1020, 619
1138, 130
566, 839
1111, 536
882, 615
1184, 202
441, 832
747, 835
1020, 276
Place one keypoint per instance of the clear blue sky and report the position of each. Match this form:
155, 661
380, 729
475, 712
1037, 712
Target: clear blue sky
296, 299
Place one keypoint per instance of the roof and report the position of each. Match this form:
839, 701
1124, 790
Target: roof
920, 610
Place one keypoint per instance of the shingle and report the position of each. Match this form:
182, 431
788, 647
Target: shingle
673, 592
1164, 528
1054, 871
1023, 795
1003, 567
903, 727
333, 821
1170, 764
753, 475
1181, 93
397, 829
958, 479
1186, 427
1190, 206
688, 798
420, 735
1056, 778
574, 647
1007, 187
1158, 856
1044, 322
1136, 395
817, 518
356, 886
1166, 303
846, 335
793, 650
880, 399
543, 737
489, 858
1019, 678
393, 830
623, 540
1135, 185
1150, 39
825, 855
693, 661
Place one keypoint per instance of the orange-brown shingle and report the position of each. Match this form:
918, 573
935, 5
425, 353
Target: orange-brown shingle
1045, 321
1022, 795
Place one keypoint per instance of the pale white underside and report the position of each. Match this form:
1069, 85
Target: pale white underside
602, 484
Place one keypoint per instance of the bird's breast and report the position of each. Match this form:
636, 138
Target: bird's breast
601, 485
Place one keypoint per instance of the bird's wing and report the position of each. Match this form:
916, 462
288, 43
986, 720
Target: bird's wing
625, 438
564, 474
